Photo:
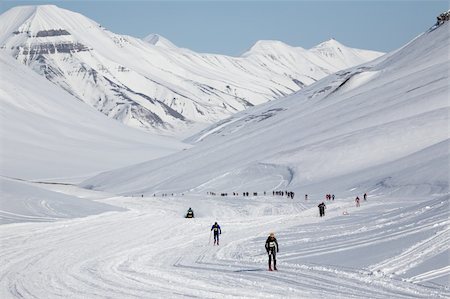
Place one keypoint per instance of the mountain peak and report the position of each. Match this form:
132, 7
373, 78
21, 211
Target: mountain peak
329, 44
267, 46
35, 8
33, 19
46, 8
340, 55
158, 40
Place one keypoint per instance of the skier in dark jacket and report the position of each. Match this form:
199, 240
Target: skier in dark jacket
322, 208
272, 249
217, 232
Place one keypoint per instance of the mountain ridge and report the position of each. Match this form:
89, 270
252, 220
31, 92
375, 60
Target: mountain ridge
164, 89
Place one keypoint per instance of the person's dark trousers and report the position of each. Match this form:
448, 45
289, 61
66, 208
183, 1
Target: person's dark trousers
272, 255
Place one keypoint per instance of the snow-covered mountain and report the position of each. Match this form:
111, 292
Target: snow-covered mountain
47, 133
153, 84
379, 127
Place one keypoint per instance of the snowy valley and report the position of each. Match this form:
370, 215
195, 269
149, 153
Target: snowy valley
93, 208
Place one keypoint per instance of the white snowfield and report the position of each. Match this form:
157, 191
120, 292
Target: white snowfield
153, 84
380, 128
387, 248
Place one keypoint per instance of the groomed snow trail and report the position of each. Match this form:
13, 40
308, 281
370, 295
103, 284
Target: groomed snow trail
151, 251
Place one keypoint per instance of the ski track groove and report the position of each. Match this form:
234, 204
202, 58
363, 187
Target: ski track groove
400, 263
430, 274
370, 236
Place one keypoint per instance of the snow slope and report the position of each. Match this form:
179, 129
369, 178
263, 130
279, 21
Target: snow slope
153, 84
379, 127
47, 133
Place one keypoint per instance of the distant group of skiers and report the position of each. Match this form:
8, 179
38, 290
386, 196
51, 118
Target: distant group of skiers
322, 205
167, 194
357, 200
329, 196
289, 194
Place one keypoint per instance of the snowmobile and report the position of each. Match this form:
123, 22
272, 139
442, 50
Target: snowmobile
190, 213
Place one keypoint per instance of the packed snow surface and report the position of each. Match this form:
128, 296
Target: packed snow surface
25, 202
387, 248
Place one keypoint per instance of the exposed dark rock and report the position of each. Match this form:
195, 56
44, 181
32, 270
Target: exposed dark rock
52, 48
52, 32
299, 83
443, 17
151, 118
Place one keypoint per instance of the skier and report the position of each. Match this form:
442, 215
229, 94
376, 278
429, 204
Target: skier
217, 232
306, 196
365, 196
322, 208
190, 213
357, 201
272, 249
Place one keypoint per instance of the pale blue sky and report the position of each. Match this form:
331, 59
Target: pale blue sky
231, 27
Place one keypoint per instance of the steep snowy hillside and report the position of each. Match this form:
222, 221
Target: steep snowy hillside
380, 127
153, 84
47, 133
